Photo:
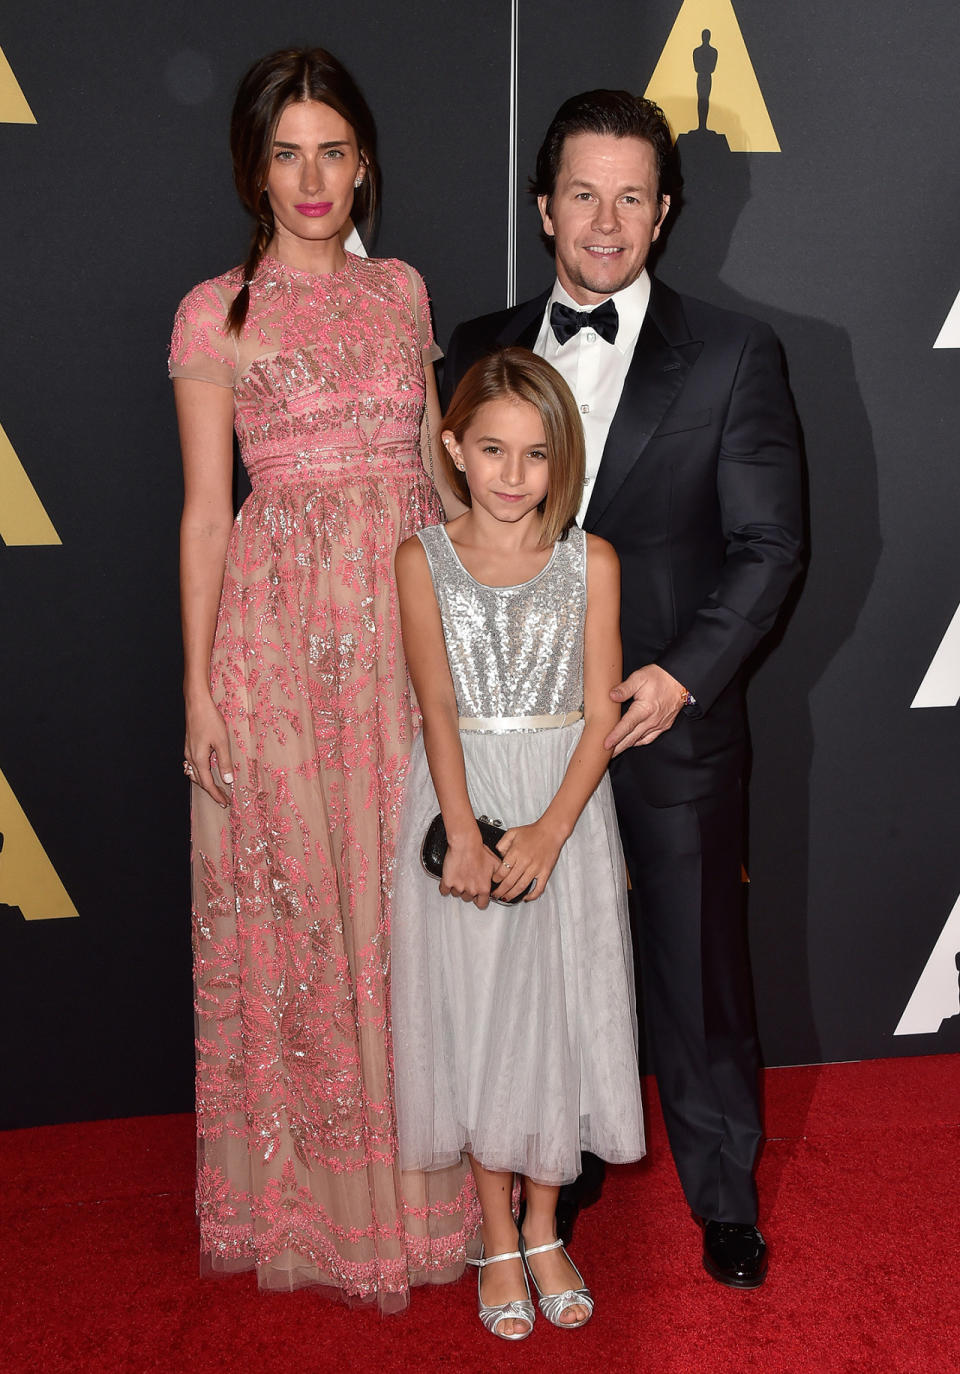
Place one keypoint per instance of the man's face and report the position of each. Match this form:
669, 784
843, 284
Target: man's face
604, 214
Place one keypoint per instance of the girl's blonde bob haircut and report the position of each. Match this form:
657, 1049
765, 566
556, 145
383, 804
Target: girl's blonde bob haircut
516, 373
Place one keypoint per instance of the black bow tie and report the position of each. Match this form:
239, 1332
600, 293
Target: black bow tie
566, 322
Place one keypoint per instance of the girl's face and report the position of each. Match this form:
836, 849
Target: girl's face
503, 455
314, 164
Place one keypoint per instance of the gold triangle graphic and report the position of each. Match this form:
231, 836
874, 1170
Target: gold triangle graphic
28, 879
23, 519
13, 106
736, 106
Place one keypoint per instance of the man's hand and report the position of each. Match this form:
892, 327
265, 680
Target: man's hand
657, 698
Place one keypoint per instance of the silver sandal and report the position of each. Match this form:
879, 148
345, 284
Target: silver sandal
553, 1305
520, 1309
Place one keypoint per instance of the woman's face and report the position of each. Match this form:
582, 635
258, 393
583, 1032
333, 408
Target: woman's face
314, 165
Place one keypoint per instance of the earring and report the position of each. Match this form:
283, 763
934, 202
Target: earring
460, 467
358, 181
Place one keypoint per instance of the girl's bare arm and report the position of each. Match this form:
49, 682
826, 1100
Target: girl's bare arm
468, 866
532, 850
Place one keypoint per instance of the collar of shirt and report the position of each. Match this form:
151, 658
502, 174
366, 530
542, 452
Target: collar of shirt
631, 305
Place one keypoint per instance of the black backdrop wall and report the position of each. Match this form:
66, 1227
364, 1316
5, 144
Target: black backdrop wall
118, 198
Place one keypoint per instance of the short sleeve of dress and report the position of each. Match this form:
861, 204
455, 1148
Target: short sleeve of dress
200, 347
421, 309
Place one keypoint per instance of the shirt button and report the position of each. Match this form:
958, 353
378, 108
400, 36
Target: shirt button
590, 336
584, 410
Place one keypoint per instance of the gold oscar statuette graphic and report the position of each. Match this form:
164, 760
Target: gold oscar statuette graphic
13, 106
23, 519
705, 83
28, 879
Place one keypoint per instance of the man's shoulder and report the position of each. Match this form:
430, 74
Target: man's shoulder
482, 327
493, 326
703, 318
490, 328
474, 339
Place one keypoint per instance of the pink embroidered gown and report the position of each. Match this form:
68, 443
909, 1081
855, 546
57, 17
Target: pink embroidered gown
297, 1168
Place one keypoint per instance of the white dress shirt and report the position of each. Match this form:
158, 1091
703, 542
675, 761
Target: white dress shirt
593, 369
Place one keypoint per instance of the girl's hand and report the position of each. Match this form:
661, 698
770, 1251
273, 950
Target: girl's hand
207, 744
528, 852
468, 871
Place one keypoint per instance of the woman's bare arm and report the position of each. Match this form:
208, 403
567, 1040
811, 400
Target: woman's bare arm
205, 418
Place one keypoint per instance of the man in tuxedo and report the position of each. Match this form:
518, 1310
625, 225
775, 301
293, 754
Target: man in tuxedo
693, 475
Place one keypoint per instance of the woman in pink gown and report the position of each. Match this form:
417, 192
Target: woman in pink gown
298, 712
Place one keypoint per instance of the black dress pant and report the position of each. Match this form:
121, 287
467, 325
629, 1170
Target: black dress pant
685, 869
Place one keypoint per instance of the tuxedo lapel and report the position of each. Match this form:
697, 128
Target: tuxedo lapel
661, 360
523, 326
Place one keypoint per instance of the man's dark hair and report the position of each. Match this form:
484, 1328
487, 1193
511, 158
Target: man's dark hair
606, 112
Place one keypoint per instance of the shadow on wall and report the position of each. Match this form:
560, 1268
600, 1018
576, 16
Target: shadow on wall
840, 491
948, 1037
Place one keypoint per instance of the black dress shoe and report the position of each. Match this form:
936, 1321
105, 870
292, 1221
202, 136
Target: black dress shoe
583, 1192
734, 1254
567, 1211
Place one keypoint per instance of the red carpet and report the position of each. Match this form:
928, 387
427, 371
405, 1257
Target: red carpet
860, 1189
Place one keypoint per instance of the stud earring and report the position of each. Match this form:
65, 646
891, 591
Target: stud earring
357, 182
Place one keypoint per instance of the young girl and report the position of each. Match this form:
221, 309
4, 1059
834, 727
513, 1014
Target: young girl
514, 1026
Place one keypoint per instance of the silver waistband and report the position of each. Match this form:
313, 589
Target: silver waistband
502, 724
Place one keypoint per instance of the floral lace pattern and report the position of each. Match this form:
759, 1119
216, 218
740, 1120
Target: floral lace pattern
297, 1169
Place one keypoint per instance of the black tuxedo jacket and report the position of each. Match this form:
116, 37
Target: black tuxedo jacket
699, 493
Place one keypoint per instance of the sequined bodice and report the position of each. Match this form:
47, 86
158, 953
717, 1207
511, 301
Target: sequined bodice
328, 370
513, 651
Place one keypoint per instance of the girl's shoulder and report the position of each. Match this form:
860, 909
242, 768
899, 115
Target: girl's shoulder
600, 550
416, 548
602, 566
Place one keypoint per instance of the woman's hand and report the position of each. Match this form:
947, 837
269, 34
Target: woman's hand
207, 744
529, 853
468, 871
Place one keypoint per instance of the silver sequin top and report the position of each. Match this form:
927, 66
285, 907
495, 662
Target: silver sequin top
513, 651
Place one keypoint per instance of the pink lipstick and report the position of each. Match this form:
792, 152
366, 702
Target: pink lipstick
314, 208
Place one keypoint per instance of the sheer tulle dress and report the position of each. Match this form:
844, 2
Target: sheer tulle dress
298, 1175
515, 1027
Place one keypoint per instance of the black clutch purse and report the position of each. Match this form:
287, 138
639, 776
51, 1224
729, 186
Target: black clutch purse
433, 851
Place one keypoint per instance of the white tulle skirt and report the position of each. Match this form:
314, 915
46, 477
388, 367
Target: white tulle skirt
515, 1027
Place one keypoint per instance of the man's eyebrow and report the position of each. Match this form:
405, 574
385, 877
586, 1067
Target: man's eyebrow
333, 143
589, 185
